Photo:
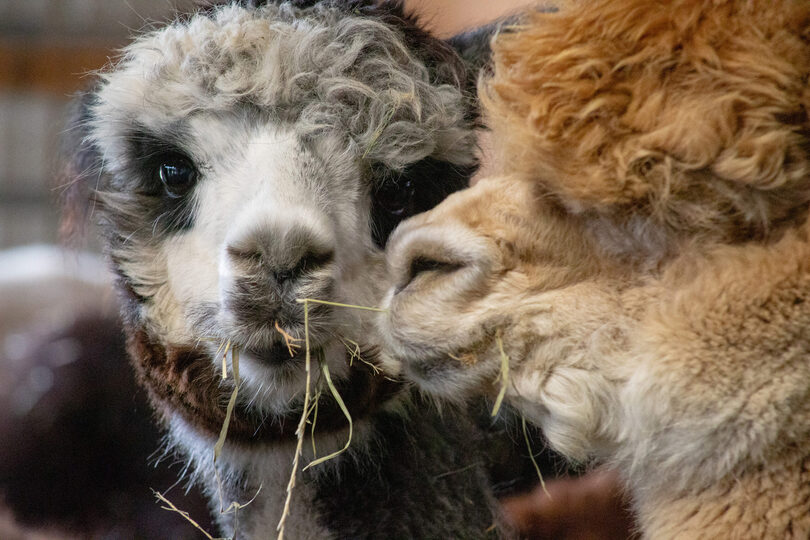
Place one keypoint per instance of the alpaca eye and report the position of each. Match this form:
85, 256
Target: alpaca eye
396, 198
177, 174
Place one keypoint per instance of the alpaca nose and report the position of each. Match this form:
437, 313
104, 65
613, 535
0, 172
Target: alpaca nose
416, 253
284, 253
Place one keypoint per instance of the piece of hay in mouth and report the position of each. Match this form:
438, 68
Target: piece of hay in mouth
299, 432
223, 433
504, 378
289, 341
306, 408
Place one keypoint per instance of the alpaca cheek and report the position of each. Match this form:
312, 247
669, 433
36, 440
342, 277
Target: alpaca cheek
192, 274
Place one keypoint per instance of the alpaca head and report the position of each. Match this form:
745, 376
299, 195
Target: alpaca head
483, 262
249, 157
635, 134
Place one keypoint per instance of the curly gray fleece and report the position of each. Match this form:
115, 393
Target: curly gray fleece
320, 69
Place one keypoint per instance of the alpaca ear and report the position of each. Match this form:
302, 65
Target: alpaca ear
79, 163
474, 45
474, 48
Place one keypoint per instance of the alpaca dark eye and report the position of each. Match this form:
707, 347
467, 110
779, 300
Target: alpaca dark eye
177, 174
396, 198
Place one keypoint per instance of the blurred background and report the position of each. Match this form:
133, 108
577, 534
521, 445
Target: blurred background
47, 48
75, 432
77, 445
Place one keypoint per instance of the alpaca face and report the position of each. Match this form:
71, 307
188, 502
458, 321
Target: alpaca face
496, 261
275, 222
252, 158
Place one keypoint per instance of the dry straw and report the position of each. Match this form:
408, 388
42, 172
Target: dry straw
172, 508
531, 455
503, 376
306, 410
223, 433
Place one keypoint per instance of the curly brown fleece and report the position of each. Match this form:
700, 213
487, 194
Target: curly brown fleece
660, 106
643, 259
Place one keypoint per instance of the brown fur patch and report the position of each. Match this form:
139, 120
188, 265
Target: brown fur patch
466, 359
184, 380
692, 112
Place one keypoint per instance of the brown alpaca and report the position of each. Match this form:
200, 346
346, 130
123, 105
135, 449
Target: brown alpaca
644, 260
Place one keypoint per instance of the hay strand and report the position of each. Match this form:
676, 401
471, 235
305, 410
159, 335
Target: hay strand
224, 345
342, 405
289, 341
236, 506
172, 508
354, 354
338, 304
223, 433
354, 351
379, 131
314, 413
503, 376
531, 455
301, 424
306, 408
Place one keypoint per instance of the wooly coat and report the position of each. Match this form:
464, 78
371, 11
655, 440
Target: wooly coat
644, 261
250, 156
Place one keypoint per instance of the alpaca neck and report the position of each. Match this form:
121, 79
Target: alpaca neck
767, 500
407, 474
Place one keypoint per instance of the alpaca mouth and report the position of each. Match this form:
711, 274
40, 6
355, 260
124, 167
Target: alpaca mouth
280, 355
426, 369
426, 365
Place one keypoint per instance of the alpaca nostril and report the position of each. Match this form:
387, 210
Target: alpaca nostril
310, 262
421, 265
283, 258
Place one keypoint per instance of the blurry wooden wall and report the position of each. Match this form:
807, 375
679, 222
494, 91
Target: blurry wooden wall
46, 49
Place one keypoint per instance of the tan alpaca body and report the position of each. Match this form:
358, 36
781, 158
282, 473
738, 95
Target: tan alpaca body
647, 274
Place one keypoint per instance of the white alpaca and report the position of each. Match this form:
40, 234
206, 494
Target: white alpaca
249, 157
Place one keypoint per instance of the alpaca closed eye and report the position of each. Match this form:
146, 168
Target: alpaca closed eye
177, 174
